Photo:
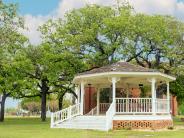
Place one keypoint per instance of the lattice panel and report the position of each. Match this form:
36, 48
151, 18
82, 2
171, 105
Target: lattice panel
142, 124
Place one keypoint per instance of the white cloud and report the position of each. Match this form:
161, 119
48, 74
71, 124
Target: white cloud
32, 23
154, 6
67, 5
169, 7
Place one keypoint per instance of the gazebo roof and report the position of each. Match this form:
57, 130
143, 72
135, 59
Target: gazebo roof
119, 67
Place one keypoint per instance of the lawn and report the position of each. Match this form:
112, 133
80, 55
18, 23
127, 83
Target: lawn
33, 128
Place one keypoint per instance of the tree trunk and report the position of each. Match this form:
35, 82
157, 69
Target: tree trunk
60, 102
2, 107
44, 91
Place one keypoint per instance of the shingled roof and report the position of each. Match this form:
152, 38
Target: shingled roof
119, 67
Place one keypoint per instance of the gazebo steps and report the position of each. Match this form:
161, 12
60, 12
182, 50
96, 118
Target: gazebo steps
84, 122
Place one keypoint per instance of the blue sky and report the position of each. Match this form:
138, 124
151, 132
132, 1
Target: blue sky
35, 7
40, 7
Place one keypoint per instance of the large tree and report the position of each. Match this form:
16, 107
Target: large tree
102, 35
10, 42
156, 42
48, 69
95, 33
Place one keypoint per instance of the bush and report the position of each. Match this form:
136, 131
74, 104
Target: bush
181, 109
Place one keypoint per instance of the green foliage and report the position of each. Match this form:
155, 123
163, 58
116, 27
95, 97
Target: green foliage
144, 91
105, 95
46, 62
31, 104
181, 109
11, 41
177, 88
101, 35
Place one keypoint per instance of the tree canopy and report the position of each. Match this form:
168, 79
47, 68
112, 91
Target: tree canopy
11, 41
102, 35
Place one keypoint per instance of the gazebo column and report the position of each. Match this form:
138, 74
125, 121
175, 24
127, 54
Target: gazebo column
114, 80
153, 93
82, 98
77, 91
168, 98
98, 101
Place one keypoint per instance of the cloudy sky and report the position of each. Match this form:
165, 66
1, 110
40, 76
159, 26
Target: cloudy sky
36, 12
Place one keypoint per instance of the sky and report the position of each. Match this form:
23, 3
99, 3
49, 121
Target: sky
37, 12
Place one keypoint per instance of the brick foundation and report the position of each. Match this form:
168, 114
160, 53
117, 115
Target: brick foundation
142, 124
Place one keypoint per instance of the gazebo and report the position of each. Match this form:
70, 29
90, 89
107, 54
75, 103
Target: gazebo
133, 99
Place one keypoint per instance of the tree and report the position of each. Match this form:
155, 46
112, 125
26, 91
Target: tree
48, 70
10, 42
31, 104
101, 35
94, 33
157, 42
177, 88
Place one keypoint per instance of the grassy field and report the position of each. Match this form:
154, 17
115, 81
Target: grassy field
33, 128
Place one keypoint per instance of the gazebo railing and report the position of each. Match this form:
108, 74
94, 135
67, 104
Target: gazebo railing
104, 107
162, 106
133, 105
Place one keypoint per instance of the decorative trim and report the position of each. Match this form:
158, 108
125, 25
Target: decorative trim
127, 73
142, 124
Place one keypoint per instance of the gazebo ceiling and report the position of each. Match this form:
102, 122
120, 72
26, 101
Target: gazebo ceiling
121, 70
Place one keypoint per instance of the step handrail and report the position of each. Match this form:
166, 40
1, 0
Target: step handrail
65, 114
92, 112
109, 116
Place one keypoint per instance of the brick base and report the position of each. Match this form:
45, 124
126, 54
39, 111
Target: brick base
142, 124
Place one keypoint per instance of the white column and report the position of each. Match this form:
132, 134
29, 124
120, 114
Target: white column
153, 93
82, 98
168, 98
114, 90
98, 101
77, 91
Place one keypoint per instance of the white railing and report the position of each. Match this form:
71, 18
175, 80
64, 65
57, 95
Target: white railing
93, 111
109, 116
104, 107
162, 106
64, 114
133, 105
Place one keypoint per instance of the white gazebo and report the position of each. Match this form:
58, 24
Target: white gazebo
126, 108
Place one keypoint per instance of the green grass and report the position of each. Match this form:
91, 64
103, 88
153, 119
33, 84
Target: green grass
33, 128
